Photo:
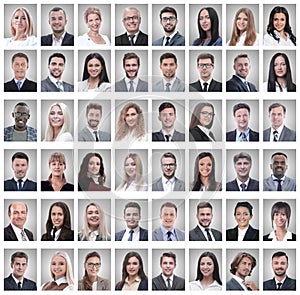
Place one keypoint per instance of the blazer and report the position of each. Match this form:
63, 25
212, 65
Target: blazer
253, 135
143, 286
288, 284
158, 283
157, 185
120, 86
157, 235
88, 184
177, 40
288, 185
233, 285
252, 234
143, 235
253, 185
177, 136
48, 86
81, 237
214, 86
46, 186
102, 284
9, 234
235, 84
196, 134
287, 134
85, 135
122, 40
196, 234
28, 86
65, 235
266, 238
68, 40
10, 284
9, 131
178, 86
11, 185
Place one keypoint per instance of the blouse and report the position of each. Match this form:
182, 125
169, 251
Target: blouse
196, 286
46, 186
85, 40
132, 187
83, 86
30, 41
270, 41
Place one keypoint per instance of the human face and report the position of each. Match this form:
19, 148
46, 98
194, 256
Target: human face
92, 266
131, 21
131, 118
56, 67
57, 217
280, 266
242, 22
57, 168
205, 68
204, 20
18, 214
277, 117
19, 21
19, 267
93, 22
242, 168
133, 266
244, 268
168, 217
20, 67
279, 21
132, 217
20, 167
21, 116
204, 217
94, 68
93, 118
93, 216
242, 217
280, 66
242, 117
167, 118
280, 219
206, 267
206, 116
168, 68
58, 267
168, 25
205, 166
131, 68
57, 21
94, 165
242, 67
56, 117
167, 266
168, 167
130, 168
279, 166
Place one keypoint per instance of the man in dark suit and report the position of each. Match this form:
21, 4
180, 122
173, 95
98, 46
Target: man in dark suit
168, 20
243, 182
15, 231
203, 231
278, 131
167, 280
131, 83
280, 281
238, 82
241, 114
206, 83
19, 83
16, 280
133, 36
57, 21
132, 217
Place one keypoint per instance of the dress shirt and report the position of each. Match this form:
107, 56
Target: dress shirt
241, 282
17, 281
165, 234
134, 38
54, 81
170, 83
93, 235
206, 131
168, 184
18, 231
202, 83
57, 233
58, 42
282, 281
276, 181
135, 235
20, 81
238, 136
288, 236
170, 38
171, 133
17, 180
131, 286
270, 41
134, 84
92, 132
203, 229
239, 183
279, 130
171, 279
241, 233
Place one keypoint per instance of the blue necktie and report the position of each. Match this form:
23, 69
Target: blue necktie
131, 234
243, 186
19, 85
131, 89
247, 86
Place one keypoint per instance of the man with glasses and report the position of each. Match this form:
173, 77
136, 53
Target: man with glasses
168, 20
168, 182
20, 131
133, 36
206, 83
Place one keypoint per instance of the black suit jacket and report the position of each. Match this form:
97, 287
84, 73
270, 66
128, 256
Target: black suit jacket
159, 136
158, 283
65, 235
9, 234
266, 238
197, 235
235, 84
143, 235
288, 284
253, 135
122, 40
196, 134
10, 284
214, 86
252, 234
28, 86
253, 185
11, 185
68, 40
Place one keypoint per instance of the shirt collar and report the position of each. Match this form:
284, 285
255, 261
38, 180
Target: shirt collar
272, 235
54, 80
202, 81
60, 39
135, 230
171, 82
137, 279
282, 178
165, 180
22, 81
16, 280
239, 182
240, 281
61, 281
16, 229
170, 277
171, 36
279, 130
23, 179
135, 80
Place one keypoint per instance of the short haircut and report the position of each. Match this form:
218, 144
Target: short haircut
281, 206
277, 105
244, 204
242, 155
167, 9
56, 54
21, 104
18, 254
93, 105
133, 205
168, 155
166, 105
56, 9
20, 155
280, 254
205, 56
168, 204
168, 254
10, 205
279, 154
238, 258
168, 55
19, 54
242, 55
204, 205
132, 8
130, 55
239, 106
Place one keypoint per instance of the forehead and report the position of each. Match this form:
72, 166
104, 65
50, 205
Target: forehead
20, 161
92, 208
133, 260
131, 210
169, 60
204, 60
18, 206
167, 259
56, 108
58, 13
242, 209
242, 60
277, 110
246, 259
20, 12
131, 110
167, 110
204, 12
279, 15
241, 111
204, 210
206, 109
279, 58
58, 60
279, 158
93, 259
205, 159
168, 210
19, 59
166, 14
279, 259
167, 160
20, 260
57, 209
58, 258
22, 109
131, 61
129, 12
94, 111
242, 160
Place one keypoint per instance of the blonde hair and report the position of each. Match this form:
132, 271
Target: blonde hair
92, 10
60, 157
28, 18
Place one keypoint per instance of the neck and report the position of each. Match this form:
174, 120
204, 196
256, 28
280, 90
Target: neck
205, 79
281, 81
204, 180
20, 36
20, 129
58, 35
240, 276
243, 226
131, 278
168, 79
93, 227
243, 179
243, 128
93, 278
280, 278
207, 280
168, 129
56, 179
93, 34
169, 33
168, 228
19, 278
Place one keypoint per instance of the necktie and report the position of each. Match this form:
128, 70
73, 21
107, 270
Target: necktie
167, 136
169, 284
167, 41
205, 88
131, 89
279, 187
53, 233
168, 87
243, 136
243, 186
248, 288
212, 136
208, 234
169, 233
246, 85
59, 86
279, 285
19, 285
20, 184
131, 40
23, 235
131, 234
275, 133
96, 135
19, 85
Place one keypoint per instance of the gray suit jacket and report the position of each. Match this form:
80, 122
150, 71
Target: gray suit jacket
157, 235
196, 234
48, 86
233, 285
177, 40
158, 283
120, 86
157, 185
85, 135
287, 134
289, 184
178, 86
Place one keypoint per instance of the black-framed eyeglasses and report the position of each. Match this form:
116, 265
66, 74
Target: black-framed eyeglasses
171, 165
207, 114
129, 18
19, 114
208, 65
170, 19
92, 265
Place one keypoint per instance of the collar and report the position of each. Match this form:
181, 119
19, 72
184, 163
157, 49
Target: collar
170, 277
242, 79
54, 80
135, 80
92, 130
135, 230
16, 280
60, 39
203, 229
169, 133
288, 236
164, 230
279, 130
165, 180
171, 82
61, 281
137, 279
238, 132
23, 179
171, 36
202, 81
281, 179
240, 281
16, 229
22, 81
239, 183
282, 281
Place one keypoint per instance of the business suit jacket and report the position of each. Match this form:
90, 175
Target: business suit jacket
178, 86
11, 185
120, 86
288, 185
68, 40
122, 40
65, 235
196, 234
287, 134
253, 185
233, 285
253, 135
157, 185
196, 134
85, 135
102, 284
214, 86
28, 86
143, 235
10, 284
266, 237
288, 284
48, 86
157, 235
252, 234
143, 286
159, 136
177, 40
235, 84
9, 234
158, 283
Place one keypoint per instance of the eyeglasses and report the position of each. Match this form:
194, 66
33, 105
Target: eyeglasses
92, 265
207, 114
170, 19
282, 64
24, 115
169, 165
208, 66
130, 18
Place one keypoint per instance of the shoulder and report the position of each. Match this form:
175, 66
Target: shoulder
66, 136
104, 87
